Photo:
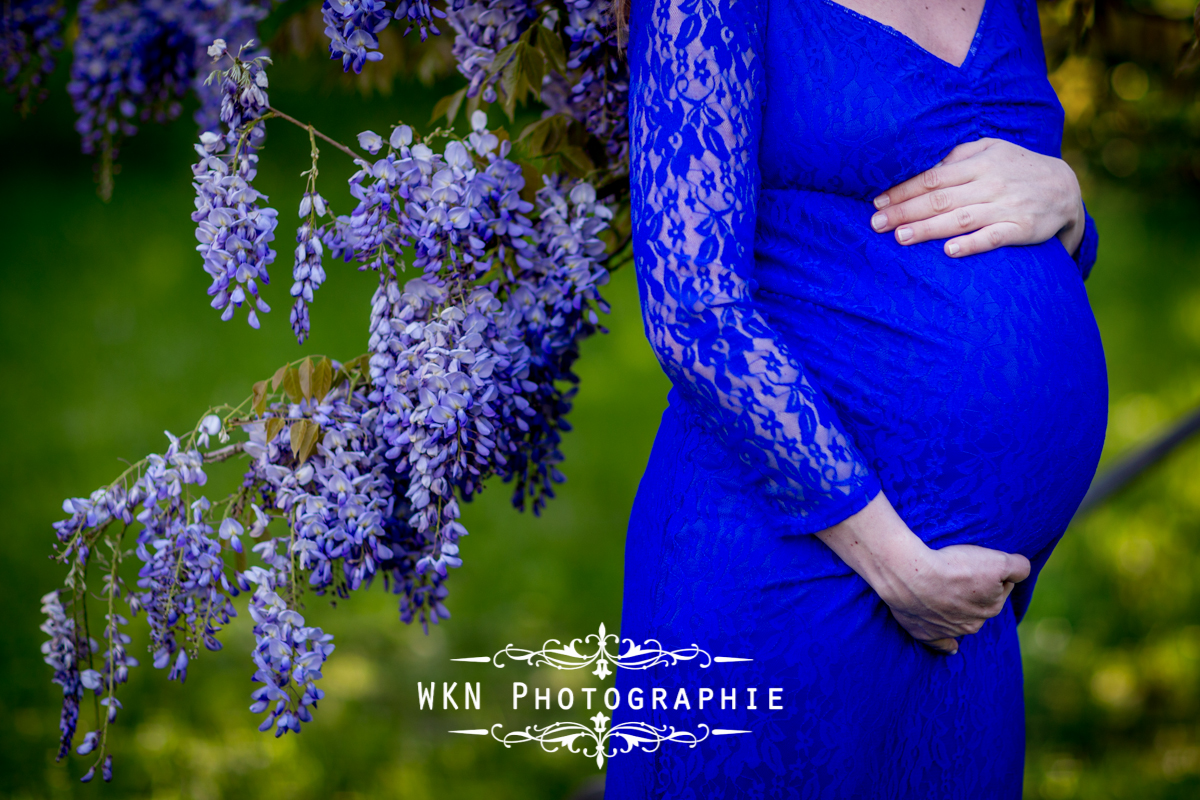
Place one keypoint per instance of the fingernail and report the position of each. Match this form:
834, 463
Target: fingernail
882, 201
954, 653
953, 248
904, 234
878, 221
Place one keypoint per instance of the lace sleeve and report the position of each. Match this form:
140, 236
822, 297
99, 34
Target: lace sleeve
1085, 256
695, 109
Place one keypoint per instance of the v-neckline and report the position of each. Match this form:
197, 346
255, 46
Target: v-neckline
963, 67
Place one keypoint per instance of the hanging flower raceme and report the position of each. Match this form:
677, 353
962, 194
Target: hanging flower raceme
552, 303
288, 655
595, 89
234, 231
483, 29
136, 61
464, 358
352, 472
352, 26
133, 61
182, 586
30, 36
307, 273
64, 651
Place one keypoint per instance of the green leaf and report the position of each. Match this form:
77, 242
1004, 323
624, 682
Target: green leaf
501, 59
533, 182
511, 82
473, 104
322, 379
578, 162
274, 426
545, 136
306, 379
449, 106
277, 378
304, 436
550, 43
291, 384
260, 398
533, 65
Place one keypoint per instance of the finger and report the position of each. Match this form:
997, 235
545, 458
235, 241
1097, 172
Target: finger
1017, 568
938, 177
1008, 585
930, 205
962, 220
947, 646
989, 237
967, 150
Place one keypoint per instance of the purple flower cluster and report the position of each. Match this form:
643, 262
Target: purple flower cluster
552, 304
182, 585
133, 61
482, 29
356, 471
288, 654
233, 230
352, 25
307, 273
344, 530
420, 14
339, 500
63, 651
30, 35
230, 21
464, 364
183, 581
596, 91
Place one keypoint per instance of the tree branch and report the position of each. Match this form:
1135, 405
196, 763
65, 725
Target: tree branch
298, 123
224, 453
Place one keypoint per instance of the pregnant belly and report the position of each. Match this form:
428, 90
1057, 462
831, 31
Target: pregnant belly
975, 387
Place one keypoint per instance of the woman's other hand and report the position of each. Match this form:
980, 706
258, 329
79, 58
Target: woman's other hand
935, 595
983, 195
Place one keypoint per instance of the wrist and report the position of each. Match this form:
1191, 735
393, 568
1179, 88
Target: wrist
882, 549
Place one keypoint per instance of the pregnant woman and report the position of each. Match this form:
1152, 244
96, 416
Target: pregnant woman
861, 264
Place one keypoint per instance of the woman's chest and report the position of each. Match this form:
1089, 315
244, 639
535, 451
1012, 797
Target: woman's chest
854, 107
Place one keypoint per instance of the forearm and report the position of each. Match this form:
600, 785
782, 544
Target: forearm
935, 595
877, 545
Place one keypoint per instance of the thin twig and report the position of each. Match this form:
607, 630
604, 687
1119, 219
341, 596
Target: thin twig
226, 452
333, 142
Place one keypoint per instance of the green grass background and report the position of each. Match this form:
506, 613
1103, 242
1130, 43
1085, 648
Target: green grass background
106, 340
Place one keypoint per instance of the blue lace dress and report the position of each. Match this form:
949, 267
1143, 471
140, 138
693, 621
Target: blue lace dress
815, 363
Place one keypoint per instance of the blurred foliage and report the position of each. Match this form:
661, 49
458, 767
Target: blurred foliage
1125, 71
107, 340
295, 28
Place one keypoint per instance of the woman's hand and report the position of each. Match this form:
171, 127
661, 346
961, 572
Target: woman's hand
935, 595
983, 195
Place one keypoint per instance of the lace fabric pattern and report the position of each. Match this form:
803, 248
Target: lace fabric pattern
815, 363
695, 129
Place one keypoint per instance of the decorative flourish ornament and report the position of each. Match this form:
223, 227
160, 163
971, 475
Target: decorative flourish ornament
605, 742
650, 653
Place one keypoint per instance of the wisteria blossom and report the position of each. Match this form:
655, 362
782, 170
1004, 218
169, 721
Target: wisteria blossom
352, 473
234, 231
136, 61
30, 35
482, 30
